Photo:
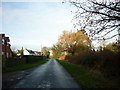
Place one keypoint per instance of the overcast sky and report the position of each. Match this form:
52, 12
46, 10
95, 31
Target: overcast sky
32, 24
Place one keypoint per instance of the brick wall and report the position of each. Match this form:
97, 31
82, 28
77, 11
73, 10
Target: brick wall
5, 46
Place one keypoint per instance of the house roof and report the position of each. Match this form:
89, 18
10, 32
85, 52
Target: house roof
2, 35
30, 51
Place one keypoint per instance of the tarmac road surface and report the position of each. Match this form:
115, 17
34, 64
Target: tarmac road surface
48, 75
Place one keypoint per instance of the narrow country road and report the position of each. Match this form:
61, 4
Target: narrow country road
48, 75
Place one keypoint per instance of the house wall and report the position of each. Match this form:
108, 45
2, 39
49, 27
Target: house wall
26, 52
5, 46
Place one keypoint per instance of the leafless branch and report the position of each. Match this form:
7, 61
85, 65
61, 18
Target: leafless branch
98, 16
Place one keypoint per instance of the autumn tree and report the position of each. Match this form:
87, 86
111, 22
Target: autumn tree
73, 42
100, 17
21, 52
114, 47
46, 52
56, 50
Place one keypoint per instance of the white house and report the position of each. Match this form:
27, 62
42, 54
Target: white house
28, 52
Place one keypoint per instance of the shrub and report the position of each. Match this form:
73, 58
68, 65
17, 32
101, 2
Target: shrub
14, 61
87, 58
109, 63
106, 61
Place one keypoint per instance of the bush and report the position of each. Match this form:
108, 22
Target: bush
14, 61
30, 59
109, 63
89, 59
85, 58
105, 61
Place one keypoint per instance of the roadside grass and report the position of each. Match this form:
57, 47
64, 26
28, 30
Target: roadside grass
87, 78
23, 66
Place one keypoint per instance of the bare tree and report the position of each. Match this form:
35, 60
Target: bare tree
100, 17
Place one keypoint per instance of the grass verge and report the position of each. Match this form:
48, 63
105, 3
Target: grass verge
23, 66
87, 78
